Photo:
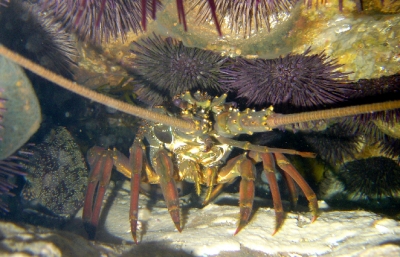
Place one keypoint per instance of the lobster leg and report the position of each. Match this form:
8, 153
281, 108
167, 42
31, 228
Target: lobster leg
132, 168
136, 162
165, 170
101, 163
211, 174
288, 168
294, 196
244, 167
269, 170
246, 192
226, 176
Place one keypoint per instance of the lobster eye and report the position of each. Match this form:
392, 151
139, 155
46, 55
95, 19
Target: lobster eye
180, 103
163, 133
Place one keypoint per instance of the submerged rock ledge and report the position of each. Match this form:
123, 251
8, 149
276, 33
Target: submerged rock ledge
209, 232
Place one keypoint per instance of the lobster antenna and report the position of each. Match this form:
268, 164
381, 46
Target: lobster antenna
277, 120
272, 121
94, 96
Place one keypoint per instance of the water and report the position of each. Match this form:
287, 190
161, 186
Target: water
366, 45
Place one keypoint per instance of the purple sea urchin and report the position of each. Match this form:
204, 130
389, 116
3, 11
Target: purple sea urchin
385, 87
374, 130
9, 168
366, 125
166, 68
375, 177
96, 21
371, 184
390, 146
374, 126
297, 80
377, 89
333, 144
181, 13
28, 32
246, 15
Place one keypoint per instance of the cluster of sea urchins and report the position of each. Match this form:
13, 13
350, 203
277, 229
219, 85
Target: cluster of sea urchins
100, 20
165, 68
376, 126
342, 140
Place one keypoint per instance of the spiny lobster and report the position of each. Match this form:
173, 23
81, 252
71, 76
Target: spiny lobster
194, 147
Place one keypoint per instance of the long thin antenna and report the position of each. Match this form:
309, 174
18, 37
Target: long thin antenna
272, 122
94, 96
279, 120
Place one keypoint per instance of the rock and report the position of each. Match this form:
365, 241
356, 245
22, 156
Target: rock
209, 231
56, 180
25, 240
19, 108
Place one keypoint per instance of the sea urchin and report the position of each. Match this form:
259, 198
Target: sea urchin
375, 177
181, 13
26, 30
333, 144
246, 15
250, 15
95, 20
166, 68
377, 127
9, 168
299, 80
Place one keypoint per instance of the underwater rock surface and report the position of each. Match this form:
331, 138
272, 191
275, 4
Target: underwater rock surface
19, 108
209, 231
18, 240
57, 175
